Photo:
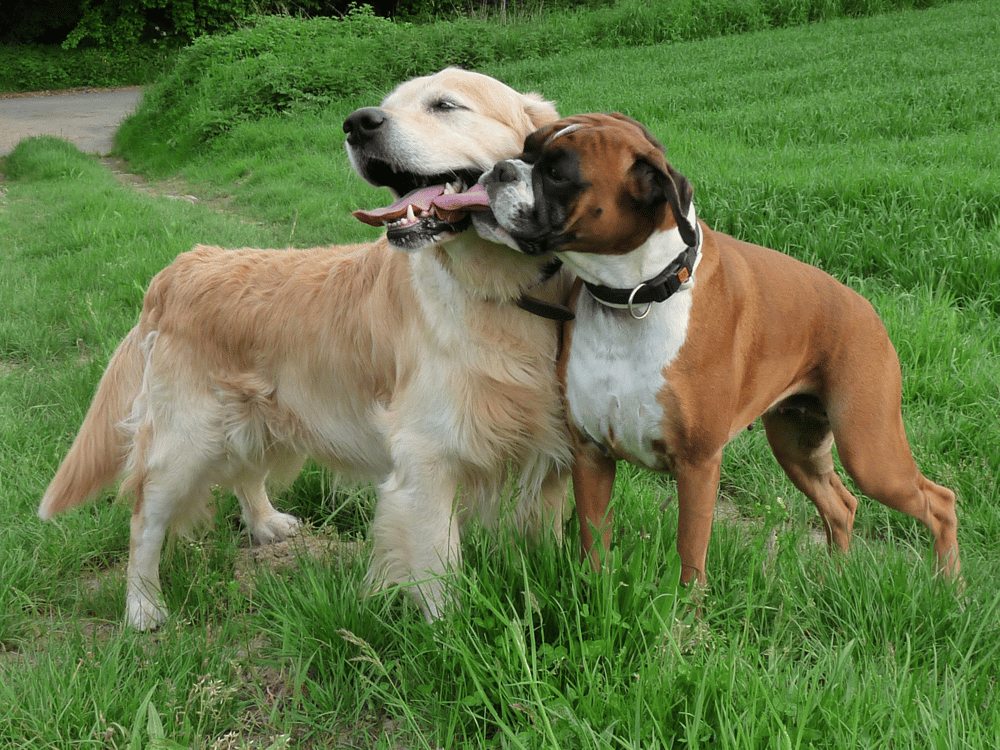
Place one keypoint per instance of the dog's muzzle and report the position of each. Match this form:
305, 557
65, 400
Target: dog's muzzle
513, 204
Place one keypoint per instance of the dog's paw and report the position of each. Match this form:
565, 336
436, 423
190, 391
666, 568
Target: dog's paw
144, 614
275, 528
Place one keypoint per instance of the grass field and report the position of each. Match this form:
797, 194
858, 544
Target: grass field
867, 147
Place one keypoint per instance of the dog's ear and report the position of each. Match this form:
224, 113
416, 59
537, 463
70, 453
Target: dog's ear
647, 183
533, 143
680, 201
650, 185
538, 111
685, 192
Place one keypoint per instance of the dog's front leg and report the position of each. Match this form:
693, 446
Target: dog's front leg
593, 481
415, 536
697, 487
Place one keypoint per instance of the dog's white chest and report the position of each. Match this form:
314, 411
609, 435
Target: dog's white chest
615, 373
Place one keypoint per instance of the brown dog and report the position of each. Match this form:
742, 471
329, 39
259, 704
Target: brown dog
684, 336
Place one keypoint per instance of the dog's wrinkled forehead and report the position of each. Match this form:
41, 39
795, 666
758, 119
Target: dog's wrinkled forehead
622, 129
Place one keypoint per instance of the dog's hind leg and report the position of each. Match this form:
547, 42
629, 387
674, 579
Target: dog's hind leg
264, 523
165, 500
170, 475
872, 445
801, 439
144, 607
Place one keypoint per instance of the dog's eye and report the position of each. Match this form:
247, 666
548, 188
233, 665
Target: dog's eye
554, 172
561, 169
445, 105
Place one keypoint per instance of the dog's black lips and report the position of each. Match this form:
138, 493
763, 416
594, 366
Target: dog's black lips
427, 231
541, 244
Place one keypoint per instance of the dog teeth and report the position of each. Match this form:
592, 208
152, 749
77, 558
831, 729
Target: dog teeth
410, 218
415, 214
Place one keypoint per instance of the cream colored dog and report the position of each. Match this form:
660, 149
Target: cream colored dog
413, 369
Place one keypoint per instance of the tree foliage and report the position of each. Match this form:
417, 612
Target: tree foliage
23, 21
114, 23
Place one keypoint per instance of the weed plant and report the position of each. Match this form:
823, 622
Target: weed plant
863, 146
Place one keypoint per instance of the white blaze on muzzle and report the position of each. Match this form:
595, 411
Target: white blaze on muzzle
513, 199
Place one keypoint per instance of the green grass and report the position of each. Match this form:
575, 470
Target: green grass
864, 146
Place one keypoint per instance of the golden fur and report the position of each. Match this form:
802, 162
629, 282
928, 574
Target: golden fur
414, 370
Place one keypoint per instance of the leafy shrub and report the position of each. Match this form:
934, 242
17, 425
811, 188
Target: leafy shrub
277, 65
283, 65
426, 11
363, 52
51, 67
125, 22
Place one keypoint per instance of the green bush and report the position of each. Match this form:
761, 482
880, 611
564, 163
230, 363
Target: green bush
51, 67
282, 65
278, 65
125, 22
361, 52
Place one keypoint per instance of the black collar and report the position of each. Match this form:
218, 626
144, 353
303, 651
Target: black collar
546, 309
659, 288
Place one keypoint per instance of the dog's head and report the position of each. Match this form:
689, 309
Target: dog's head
596, 183
430, 141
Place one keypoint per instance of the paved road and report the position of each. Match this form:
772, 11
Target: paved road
86, 119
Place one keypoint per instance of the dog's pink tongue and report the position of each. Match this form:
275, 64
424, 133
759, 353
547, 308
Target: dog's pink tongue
424, 200
473, 199
420, 199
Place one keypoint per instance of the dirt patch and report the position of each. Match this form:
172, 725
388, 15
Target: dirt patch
174, 188
278, 557
88, 119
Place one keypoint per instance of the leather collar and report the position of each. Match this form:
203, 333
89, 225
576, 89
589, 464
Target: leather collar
657, 289
542, 309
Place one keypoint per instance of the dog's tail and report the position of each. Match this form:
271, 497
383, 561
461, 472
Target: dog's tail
98, 453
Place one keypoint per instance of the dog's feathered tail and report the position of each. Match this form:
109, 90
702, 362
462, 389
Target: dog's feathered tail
98, 453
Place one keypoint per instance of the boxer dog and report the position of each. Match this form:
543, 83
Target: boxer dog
684, 336
414, 369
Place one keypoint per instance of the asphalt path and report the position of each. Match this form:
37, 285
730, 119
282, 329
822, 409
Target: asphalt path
87, 119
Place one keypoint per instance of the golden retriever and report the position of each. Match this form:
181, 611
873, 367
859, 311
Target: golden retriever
416, 370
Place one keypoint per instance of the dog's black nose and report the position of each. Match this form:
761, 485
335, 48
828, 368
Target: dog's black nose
362, 124
503, 172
